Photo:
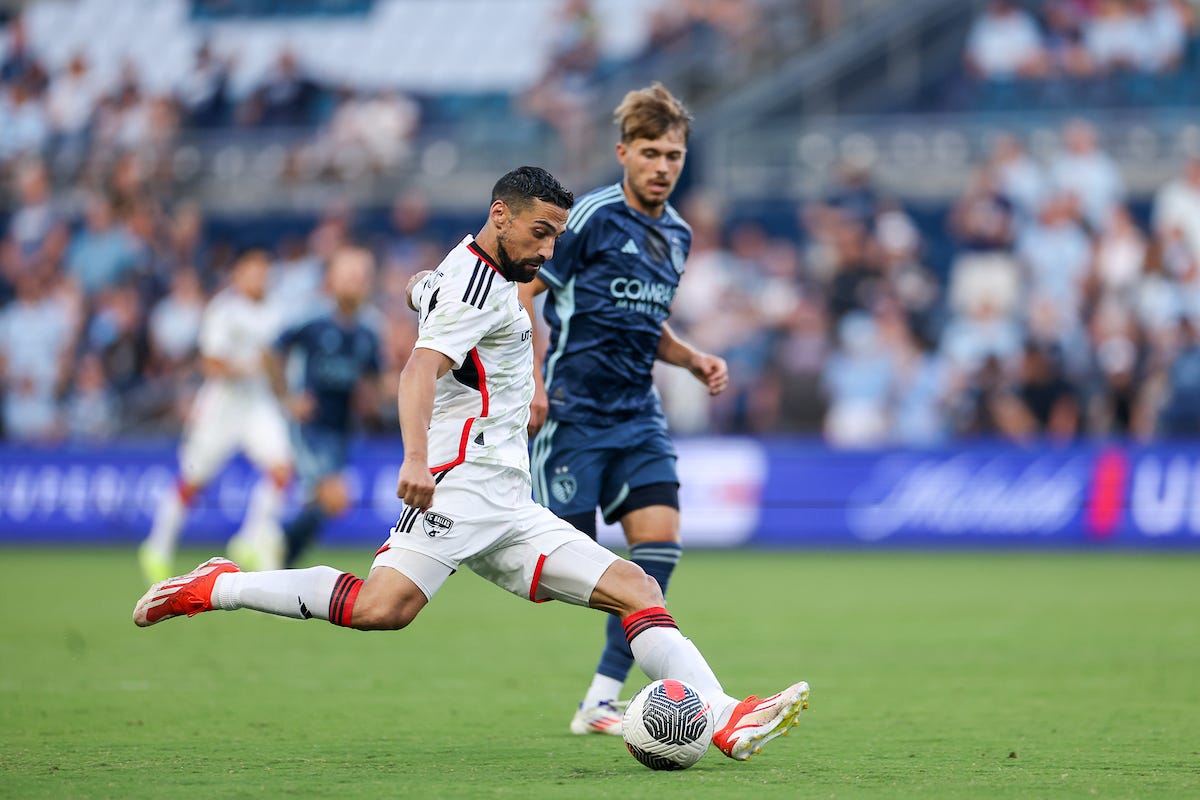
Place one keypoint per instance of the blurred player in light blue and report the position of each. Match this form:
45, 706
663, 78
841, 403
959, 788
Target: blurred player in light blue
339, 357
604, 442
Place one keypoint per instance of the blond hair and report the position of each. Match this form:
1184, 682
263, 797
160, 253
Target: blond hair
650, 113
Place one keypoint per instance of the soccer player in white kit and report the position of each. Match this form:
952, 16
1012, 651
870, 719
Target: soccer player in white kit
235, 410
464, 405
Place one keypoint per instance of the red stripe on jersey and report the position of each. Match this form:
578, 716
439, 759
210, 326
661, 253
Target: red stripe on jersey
537, 578
477, 250
466, 431
386, 546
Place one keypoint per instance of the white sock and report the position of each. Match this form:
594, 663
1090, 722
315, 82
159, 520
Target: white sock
261, 526
295, 593
602, 688
665, 653
168, 520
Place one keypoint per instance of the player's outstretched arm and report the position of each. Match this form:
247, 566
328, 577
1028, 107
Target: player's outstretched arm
415, 402
709, 369
541, 404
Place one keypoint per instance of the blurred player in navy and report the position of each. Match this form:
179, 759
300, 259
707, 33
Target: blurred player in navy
604, 442
340, 356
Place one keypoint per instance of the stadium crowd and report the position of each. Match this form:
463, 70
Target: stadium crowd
1068, 309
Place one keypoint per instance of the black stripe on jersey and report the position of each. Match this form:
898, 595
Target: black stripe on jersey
482, 289
488, 288
433, 299
475, 278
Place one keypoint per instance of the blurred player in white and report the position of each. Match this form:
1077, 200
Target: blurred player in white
235, 410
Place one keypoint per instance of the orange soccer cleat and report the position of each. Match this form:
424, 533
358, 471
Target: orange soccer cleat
755, 722
188, 594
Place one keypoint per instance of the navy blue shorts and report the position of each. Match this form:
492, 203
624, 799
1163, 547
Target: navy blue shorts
579, 468
320, 453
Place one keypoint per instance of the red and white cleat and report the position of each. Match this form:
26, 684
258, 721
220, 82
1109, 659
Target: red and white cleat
188, 594
755, 722
604, 717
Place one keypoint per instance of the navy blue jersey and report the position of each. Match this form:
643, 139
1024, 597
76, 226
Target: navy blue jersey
336, 352
611, 283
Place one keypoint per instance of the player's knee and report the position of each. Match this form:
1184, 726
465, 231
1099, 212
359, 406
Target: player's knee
332, 497
637, 590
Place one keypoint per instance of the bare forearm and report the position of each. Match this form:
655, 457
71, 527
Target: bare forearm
415, 406
674, 350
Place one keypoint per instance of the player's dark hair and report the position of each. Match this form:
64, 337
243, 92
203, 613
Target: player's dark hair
525, 184
650, 112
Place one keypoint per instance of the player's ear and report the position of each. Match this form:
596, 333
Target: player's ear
500, 213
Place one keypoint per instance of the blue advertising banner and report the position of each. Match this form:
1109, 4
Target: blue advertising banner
736, 491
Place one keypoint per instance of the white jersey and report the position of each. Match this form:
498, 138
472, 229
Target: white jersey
471, 313
238, 330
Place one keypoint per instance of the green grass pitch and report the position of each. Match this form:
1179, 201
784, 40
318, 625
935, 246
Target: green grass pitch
933, 675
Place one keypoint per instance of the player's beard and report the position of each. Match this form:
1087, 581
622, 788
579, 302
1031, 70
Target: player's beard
520, 271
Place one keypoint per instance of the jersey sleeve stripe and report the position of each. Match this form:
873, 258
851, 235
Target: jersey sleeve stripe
584, 212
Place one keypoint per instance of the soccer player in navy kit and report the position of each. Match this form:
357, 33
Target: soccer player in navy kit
604, 443
340, 355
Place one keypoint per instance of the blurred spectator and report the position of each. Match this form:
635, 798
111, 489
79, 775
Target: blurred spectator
24, 129
1181, 411
37, 234
203, 92
91, 410
561, 97
981, 334
857, 380
984, 271
1177, 209
1057, 253
368, 133
70, 104
1005, 43
1170, 23
1118, 256
174, 326
103, 253
117, 334
36, 331
1047, 404
1019, 179
1087, 172
1119, 37
1065, 52
285, 96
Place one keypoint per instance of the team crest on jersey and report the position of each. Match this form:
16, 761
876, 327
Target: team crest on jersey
563, 486
436, 524
677, 256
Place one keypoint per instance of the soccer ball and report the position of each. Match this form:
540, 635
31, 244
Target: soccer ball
668, 725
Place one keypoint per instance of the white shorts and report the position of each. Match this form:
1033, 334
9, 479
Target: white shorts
222, 423
484, 518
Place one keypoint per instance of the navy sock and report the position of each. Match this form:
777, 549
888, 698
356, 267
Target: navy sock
658, 559
301, 531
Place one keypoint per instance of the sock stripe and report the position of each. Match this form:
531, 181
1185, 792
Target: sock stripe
640, 557
640, 622
341, 604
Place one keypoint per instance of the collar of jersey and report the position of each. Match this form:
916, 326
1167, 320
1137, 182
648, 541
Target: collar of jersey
474, 247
